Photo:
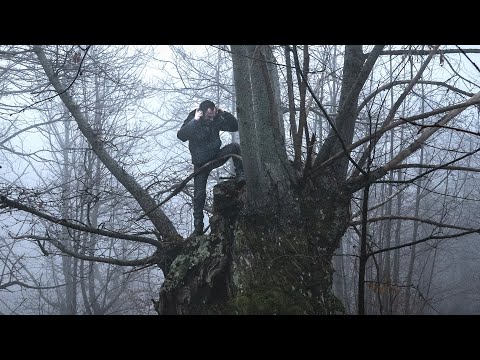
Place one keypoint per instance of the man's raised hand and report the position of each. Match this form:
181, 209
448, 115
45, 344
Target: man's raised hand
198, 114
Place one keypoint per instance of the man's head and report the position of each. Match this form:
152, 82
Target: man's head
208, 109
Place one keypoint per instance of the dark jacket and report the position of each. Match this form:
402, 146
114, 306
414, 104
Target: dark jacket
203, 135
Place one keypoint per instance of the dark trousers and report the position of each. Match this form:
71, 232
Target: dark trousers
200, 180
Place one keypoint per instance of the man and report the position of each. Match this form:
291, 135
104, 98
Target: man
201, 129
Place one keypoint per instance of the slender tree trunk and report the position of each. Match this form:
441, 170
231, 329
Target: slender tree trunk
407, 308
66, 238
363, 253
386, 278
339, 274
398, 227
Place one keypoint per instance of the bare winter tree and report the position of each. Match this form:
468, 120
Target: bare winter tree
272, 243
74, 185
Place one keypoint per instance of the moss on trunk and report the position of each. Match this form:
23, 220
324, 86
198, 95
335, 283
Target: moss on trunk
275, 271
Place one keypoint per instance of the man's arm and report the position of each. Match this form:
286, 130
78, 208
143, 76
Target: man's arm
188, 128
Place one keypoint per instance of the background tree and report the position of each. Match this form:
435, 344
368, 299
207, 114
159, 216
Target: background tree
74, 184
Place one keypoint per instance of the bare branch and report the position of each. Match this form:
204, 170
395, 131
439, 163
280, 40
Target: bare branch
356, 183
138, 262
395, 106
22, 284
113, 234
424, 126
65, 90
436, 167
387, 199
378, 134
468, 57
363, 74
401, 82
426, 52
412, 218
178, 187
433, 168
29, 128
434, 237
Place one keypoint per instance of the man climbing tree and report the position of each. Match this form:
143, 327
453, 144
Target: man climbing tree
202, 128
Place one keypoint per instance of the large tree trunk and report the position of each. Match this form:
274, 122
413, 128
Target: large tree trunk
260, 264
284, 243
